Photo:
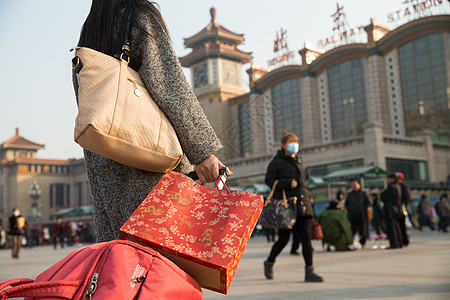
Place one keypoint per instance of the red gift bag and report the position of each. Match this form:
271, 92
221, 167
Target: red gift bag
202, 230
316, 231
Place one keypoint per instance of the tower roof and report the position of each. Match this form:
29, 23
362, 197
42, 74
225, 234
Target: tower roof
20, 142
214, 41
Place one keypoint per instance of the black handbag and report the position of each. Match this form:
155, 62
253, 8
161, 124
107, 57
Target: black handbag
279, 213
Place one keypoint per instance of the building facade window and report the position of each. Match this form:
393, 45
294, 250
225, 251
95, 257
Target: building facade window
286, 108
78, 193
59, 195
426, 99
347, 95
413, 169
245, 133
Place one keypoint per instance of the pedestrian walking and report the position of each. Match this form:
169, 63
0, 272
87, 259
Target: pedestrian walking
356, 205
288, 169
391, 198
405, 201
16, 230
378, 216
423, 209
59, 233
444, 218
2, 237
117, 189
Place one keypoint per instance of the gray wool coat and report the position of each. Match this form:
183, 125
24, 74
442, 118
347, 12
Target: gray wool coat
117, 190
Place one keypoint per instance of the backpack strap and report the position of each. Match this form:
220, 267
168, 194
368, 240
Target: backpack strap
23, 287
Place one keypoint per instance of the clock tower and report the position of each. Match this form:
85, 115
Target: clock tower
215, 62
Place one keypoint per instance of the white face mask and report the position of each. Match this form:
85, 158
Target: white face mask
292, 148
16, 213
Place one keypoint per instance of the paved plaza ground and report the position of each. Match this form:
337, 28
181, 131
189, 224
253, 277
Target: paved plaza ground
420, 271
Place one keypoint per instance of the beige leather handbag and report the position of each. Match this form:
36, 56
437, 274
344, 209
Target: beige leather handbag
118, 119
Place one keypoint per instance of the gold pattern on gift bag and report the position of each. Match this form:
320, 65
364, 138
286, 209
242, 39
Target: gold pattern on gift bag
178, 198
248, 213
206, 237
152, 210
214, 193
189, 224
146, 233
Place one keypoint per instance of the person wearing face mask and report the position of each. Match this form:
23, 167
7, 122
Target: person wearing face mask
16, 229
288, 169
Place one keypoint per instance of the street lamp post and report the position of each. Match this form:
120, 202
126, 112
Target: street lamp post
35, 193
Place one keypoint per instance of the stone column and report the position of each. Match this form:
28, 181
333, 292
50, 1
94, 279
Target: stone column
374, 149
426, 135
312, 134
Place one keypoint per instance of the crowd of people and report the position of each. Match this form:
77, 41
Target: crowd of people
21, 234
386, 213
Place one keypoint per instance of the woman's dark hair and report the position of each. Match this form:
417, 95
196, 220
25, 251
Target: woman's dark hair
286, 136
109, 18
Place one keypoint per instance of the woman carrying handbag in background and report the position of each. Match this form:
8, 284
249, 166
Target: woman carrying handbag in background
287, 168
118, 189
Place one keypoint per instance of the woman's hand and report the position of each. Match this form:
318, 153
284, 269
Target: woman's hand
208, 169
294, 184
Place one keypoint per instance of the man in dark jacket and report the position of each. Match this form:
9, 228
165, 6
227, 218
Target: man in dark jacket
391, 198
356, 205
405, 200
335, 227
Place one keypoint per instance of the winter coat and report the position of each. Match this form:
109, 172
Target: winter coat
406, 196
392, 200
356, 203
285, 168
336, 228
59, 230
445, 208
117, 190
14, 226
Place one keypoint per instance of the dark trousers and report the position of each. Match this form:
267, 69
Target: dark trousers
426, 221
359, 223
303, 227
443, 223
59, 239
378, 225
394, 232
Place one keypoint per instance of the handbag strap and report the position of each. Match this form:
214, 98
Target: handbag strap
269, 198
125, 54
272, 191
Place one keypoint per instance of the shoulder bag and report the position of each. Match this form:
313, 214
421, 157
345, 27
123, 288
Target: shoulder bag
279, 213
117, 118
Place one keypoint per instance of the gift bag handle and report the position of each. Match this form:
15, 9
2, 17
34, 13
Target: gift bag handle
217, 186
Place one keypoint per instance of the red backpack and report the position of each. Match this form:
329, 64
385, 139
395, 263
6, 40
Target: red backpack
112, 270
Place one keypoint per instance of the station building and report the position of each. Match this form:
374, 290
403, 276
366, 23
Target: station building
384, 103
38, 187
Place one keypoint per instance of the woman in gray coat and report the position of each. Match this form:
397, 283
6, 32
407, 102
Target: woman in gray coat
117, 190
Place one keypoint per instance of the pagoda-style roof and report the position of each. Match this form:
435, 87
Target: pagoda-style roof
19, 142
214, 41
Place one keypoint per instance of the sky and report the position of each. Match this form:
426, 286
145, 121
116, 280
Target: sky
36, 93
